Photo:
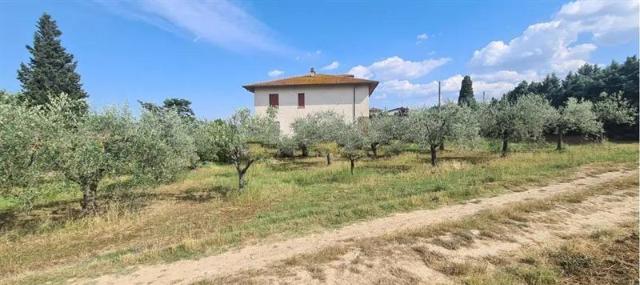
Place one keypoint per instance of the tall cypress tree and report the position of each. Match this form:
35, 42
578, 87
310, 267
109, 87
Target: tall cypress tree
466, 93
51, 70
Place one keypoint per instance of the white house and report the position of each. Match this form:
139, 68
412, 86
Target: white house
298, 96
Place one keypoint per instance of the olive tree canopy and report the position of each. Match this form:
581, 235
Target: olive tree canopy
90, 147
351, 140
316, 128
241, 138
523, 119
430, 127
382, 129
576, 116
24, 133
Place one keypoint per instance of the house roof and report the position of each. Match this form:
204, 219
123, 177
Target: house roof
315, 79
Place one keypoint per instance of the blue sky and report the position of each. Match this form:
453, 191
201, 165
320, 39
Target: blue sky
205, 50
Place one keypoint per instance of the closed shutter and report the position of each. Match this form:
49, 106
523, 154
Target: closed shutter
273, 100
300, 100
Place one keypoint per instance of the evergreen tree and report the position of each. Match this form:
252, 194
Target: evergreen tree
466, 93
521, 90
588, 83
51, 70
629, 72
181, 106
551, 89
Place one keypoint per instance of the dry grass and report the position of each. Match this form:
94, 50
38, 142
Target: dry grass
322, 256
609, 257
193, 217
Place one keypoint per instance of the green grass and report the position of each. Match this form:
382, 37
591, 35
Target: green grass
192, 217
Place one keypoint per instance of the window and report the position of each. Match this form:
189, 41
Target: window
300, 100
273, 100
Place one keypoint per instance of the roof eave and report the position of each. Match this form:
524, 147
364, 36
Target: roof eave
249, 88
372, 86
252, 87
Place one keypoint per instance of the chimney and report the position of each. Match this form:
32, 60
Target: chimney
312, 72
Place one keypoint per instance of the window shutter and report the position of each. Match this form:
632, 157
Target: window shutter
300, 100
273, 100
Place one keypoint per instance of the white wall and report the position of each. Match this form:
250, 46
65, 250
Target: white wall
338, 98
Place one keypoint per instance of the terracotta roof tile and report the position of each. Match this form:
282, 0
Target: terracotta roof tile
314, 79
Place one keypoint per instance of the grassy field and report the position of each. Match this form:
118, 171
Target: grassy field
194, 216
605, 254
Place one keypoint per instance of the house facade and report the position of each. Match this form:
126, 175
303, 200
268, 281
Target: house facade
295, 97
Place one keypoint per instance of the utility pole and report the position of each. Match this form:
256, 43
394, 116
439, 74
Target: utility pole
439, 94
439, 98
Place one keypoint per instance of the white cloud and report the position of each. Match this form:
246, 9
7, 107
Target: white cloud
220, 22
332, 66
554, 46
399, 79
275, 73
361, 72
421, 38
405, 88
493, 84
559, 45
397, 68
309, 55
506, 76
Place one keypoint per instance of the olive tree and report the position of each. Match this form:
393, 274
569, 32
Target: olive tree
327, 148
24, 133
614, 109
89, 147
162, 146
205, 136
577, 116
382, 129
306, 132
286, 146
242, 136
430, 127
330, 125
352, 143
315, 128
522, 119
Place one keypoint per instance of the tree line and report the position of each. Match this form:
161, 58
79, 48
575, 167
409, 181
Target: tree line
594, 84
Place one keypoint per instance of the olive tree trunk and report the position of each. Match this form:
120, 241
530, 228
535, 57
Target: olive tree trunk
374, 149
89, 197
434, 155
241, 172
505, 144
560, 133
505, 147
328, 158
353, 164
